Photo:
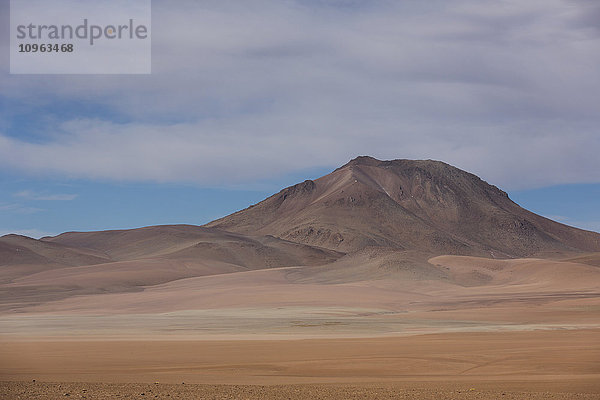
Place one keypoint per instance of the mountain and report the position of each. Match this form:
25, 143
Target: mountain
422, 205
378, 227
181, 242
23, 250
22, 255
117, 261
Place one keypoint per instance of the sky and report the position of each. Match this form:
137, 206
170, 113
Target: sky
247, 97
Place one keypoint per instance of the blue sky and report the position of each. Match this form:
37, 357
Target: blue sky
248, 97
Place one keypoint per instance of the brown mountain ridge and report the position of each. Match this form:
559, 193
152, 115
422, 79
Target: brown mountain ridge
420, 205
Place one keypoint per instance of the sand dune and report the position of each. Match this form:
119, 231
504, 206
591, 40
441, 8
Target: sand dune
589, 259
472, 294
538, 274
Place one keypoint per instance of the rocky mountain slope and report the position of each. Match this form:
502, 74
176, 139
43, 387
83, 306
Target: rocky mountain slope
426, 205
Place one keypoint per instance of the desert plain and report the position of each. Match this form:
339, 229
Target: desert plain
516, 336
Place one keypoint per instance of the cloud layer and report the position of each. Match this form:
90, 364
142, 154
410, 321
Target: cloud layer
32, 195
243, 91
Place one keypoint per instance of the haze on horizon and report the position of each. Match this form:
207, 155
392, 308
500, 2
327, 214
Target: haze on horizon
247, 98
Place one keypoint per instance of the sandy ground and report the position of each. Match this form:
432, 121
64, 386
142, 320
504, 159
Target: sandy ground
521, 329
480, 295
408, 391
514, 363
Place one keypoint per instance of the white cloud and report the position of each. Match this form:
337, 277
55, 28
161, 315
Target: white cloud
248, 90
31, 195
18, 208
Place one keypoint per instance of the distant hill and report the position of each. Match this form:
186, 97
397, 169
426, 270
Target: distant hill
189, 242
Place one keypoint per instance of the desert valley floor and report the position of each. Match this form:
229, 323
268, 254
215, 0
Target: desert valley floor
525, 330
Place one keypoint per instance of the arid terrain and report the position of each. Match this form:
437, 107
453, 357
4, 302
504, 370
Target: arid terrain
384, 279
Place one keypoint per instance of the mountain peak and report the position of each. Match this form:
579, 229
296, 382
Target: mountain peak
423, 205
391, 175
362, 160
374, 162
